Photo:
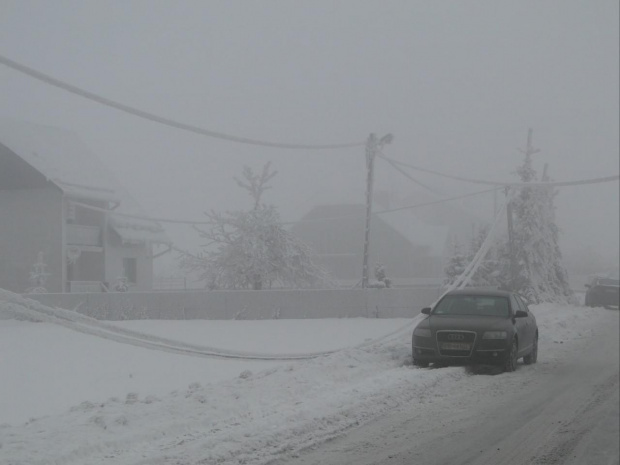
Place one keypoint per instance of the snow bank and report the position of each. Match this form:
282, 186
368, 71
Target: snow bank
232, 412
48, 368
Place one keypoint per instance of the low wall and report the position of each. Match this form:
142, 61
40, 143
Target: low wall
250, 305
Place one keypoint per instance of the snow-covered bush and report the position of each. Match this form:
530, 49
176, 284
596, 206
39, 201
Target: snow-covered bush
380, 275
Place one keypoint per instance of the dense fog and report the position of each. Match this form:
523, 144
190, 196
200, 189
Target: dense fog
458, 84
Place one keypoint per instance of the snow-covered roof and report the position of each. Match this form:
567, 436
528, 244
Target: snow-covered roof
137, 231
89, 193
61, 157
419, 232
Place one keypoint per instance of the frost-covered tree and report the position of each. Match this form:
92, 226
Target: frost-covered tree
38, 276
252, 249
539, 273
456, 264
536, 256
489, 272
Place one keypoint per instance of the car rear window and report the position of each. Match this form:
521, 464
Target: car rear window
478, 305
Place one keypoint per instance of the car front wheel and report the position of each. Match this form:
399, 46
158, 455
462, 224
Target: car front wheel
510, 364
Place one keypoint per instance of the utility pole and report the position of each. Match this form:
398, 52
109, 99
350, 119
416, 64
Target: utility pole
511, 247
529, 151
373, 146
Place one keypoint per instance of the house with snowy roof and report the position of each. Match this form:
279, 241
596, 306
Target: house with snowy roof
66, 224
412, 251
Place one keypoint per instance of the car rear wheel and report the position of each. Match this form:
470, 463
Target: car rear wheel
510, 364
532, 357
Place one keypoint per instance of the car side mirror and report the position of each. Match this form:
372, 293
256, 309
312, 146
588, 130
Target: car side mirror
520, 314
426, 310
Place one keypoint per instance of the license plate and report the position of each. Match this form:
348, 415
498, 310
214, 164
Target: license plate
455, 346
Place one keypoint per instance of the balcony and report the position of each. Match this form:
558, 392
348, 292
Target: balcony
78, 234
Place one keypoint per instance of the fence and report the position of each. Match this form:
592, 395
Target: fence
250, 305
170, 284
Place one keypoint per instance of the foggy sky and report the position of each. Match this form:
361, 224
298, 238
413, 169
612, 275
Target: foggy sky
457, 83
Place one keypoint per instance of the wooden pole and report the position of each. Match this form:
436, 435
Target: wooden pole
371, 152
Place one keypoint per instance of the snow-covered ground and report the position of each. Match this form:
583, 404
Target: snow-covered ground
72, 398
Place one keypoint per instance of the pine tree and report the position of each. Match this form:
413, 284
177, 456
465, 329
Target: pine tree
252, 249
540, 275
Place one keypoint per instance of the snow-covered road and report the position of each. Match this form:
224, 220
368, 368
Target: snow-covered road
563, 410
361, 405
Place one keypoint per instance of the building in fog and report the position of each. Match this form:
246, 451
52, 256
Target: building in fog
412, 252
62, 209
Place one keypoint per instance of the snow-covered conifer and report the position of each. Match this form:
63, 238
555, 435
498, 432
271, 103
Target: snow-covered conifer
539, 273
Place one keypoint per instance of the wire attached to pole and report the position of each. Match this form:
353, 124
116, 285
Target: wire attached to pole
160, 119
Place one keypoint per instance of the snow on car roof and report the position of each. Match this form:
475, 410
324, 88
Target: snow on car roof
480, 291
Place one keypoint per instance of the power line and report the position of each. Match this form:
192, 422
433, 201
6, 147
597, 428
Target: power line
392, 210
407, 175
139, 217
408, 207
437, 173
381, 212
508, 184
434, 202
160, 119
578, 182
203, 222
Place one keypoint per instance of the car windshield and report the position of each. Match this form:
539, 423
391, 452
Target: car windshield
477, 305
606, 279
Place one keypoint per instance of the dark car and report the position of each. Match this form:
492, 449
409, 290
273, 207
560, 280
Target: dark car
477, 326
602, 290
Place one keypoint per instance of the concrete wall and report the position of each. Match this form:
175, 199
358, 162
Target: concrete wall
30, 222
250, 305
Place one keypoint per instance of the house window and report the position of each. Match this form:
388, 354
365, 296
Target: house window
130, 270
